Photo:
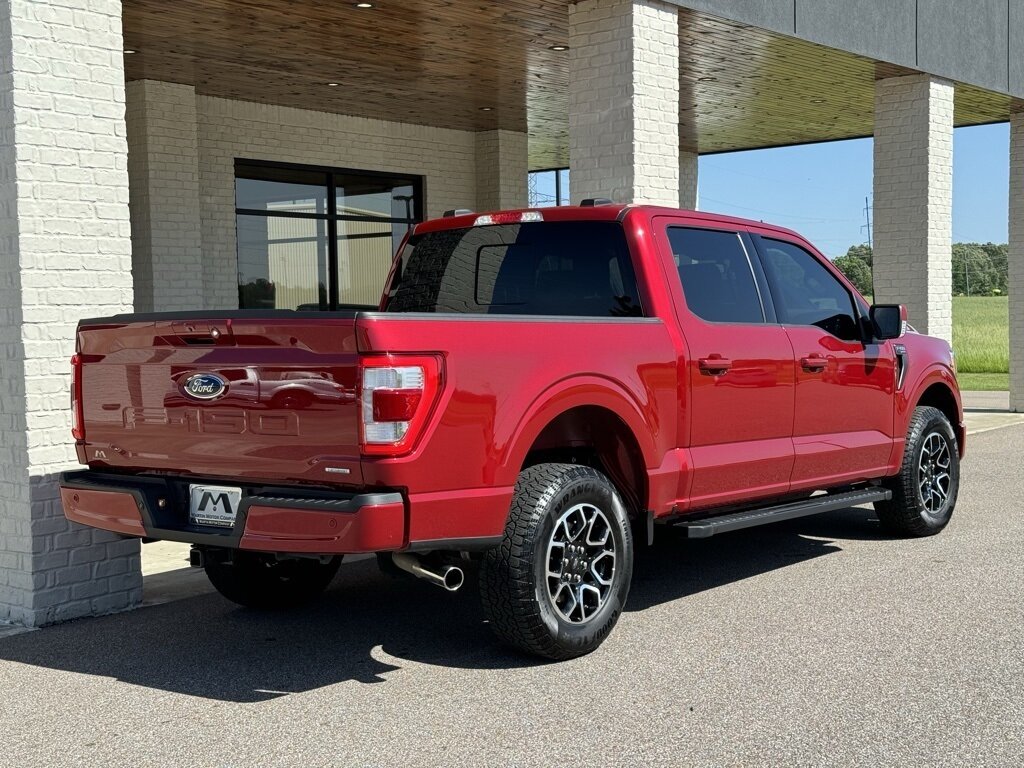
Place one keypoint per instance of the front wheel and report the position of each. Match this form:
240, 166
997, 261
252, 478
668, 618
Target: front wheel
925, 490
557, 583
260, 580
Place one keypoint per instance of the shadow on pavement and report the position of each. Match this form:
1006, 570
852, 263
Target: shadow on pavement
205, 646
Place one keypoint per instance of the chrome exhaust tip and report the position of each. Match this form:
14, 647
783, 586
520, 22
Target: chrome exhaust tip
448, 577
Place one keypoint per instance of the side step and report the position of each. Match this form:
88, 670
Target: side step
709, 526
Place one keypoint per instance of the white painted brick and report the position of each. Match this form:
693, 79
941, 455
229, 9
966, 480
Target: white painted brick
1016, 259
64, 253
502, 170
913, 199
624, 101
163, 167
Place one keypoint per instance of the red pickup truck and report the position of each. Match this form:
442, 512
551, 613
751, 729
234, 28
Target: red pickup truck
536, 390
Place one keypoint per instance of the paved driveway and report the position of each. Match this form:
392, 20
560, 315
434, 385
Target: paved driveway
813, 642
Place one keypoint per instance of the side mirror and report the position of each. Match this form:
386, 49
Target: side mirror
888, 321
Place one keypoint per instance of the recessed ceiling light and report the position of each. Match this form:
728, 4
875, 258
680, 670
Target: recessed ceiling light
486, 109
363, 5
817, 101
558, 47
129, 50
332, 85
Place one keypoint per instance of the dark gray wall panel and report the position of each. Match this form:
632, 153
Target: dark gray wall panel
776, 15
881, 29
1017, 47
964, 41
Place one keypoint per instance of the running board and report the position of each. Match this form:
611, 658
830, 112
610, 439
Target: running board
709, 526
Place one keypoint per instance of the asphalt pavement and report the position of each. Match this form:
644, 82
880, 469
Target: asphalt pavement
812, 642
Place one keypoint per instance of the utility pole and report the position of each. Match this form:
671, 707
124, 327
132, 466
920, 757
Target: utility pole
867, 219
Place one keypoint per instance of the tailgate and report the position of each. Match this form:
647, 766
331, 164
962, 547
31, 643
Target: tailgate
268, 398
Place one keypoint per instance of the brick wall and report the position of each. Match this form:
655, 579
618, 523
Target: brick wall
502, 170
913, 199
237, 129
688, 180
1016, 259
624, 100
64, 254
163, 168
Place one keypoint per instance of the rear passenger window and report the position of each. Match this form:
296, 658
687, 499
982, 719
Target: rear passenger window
717, 279
806, 293
571, 268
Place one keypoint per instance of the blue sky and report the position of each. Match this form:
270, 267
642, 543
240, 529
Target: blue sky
819, 189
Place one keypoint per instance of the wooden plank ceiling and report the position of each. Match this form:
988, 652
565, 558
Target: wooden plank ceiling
476, 65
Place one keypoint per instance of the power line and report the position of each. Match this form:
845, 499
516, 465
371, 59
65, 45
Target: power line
867, 219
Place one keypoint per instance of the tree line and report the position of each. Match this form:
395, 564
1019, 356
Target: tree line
979, 269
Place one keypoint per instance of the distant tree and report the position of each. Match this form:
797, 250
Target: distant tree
974, 274
998, 254
979, 269
862, 252
857, 271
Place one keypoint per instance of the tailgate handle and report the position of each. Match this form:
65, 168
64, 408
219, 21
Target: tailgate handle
202, 332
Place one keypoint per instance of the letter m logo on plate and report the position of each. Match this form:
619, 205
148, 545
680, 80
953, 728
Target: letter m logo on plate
213, 505
215, 502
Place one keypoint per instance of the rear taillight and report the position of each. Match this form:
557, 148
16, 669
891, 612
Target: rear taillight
396, 396
77, 417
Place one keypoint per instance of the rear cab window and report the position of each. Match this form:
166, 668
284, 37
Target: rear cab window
567, 268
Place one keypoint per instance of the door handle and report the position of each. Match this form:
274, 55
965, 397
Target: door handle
714, 365
814, 363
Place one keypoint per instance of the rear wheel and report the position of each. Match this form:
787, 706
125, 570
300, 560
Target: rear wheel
924, 492
260, 580
557, 583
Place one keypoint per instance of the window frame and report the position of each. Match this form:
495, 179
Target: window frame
331, 217
856, 301
753, 262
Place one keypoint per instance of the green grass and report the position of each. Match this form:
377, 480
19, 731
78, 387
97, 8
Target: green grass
988, 382
981, 337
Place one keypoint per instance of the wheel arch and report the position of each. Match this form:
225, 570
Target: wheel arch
589, 423
935, 391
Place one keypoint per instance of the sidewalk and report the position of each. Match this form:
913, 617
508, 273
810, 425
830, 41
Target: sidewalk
984, 411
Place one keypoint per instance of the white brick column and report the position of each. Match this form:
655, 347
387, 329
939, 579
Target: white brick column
913, 205
624, 101
687, 180
64, 254
502, 168
163, 167
1016, 261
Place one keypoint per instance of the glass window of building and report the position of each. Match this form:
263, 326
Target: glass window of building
318, 238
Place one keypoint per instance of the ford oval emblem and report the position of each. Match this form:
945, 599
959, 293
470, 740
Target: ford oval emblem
205, 386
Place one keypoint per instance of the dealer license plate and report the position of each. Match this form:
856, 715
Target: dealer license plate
213, 505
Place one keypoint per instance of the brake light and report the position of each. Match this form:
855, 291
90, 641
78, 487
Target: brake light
77, 416
508, 217
397, 394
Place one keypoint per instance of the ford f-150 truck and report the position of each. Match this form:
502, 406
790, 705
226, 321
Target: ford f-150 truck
536, 390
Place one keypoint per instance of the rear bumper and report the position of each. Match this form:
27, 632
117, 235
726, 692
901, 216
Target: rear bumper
268, 519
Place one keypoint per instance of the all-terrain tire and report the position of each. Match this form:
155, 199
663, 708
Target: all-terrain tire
557, 511
925, 490
258, 580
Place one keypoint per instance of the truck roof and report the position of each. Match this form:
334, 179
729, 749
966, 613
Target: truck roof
608, 212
